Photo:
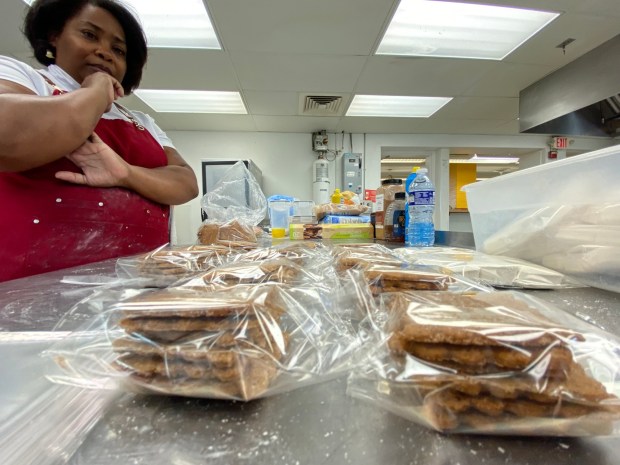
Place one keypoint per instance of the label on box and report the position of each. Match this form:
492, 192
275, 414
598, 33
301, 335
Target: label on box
330, 231
370, 194
344, 219
379, 202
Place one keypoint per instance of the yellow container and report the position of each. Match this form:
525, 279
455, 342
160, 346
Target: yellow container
337, 197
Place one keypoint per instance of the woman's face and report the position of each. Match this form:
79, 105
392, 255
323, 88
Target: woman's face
91, 41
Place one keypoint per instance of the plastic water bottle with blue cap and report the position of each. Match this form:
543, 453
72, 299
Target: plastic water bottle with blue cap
408, 182
421, 206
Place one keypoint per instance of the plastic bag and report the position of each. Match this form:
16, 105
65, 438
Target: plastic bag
167, 264
577, 240
276, 270
236, 196
42, 423
496, 271
240, 343
339, 209
492, 363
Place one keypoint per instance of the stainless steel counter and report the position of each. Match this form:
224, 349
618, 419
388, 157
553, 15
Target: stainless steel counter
314, 425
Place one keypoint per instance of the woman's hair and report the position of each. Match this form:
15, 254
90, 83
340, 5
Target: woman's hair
47, 18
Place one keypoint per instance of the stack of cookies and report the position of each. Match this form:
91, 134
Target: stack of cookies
299, 254
386, 278
279, 270
168, 264
491, 362
229, 233
364, 258
183, 342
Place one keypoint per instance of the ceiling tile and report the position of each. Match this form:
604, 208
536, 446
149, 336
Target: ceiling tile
439, 77
506, 79
297, 72
271, 103
588, 32
192, 69
296, 123
480, 108
350, 27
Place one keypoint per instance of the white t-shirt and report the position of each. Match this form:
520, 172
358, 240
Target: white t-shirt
25, 75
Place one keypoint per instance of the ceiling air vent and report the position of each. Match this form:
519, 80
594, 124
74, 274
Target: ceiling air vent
322, 105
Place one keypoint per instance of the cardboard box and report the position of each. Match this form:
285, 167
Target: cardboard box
379, 229
330, 231
344, 219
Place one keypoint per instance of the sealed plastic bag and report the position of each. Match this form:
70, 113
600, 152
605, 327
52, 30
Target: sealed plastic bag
240, 343
42, 423
492, 363
492, 270
339, 209
277, 270
167, 264
234, 207
385, 278
362, 257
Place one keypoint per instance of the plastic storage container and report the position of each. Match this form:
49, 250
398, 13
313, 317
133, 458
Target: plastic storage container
421, 205
280, 212
564, 215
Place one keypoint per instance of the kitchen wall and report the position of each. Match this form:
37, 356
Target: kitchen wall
286, 159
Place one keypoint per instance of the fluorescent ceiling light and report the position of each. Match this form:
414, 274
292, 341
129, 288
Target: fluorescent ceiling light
403, 161
178, 24
487, 160
192, 101
395, 106
460, 30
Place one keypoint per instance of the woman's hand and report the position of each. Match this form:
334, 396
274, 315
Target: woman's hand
107, 85
101, 166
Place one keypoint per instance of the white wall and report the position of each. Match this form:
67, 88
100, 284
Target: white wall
286, 159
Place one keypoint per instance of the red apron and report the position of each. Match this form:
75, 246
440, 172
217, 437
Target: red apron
49, 224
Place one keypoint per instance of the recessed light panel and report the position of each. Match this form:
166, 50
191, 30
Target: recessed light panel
192, 101
177, 24
460, 30
395, 106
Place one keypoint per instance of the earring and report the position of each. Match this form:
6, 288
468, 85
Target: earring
49, 54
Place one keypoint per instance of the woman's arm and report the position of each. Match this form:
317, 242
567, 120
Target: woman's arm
173, 184
36, 130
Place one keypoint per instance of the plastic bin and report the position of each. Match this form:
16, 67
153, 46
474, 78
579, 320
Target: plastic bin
564, 215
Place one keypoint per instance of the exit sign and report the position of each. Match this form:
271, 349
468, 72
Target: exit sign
560, 142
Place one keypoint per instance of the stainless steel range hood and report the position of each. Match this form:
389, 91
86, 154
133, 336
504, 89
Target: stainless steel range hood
580, 99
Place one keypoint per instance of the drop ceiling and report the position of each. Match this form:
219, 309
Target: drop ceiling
276, 52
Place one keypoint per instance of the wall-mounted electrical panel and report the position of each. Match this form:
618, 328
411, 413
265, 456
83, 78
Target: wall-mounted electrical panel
352, 179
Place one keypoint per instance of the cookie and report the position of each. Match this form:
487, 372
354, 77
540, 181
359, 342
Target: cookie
554, 358
151, 327
232, 231
275, 271
388, 279
574, 386
347, 261
217, 350
445, 406
255, 379
177, 368
478, 319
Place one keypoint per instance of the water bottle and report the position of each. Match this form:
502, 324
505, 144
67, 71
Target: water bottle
408, 182
421, 205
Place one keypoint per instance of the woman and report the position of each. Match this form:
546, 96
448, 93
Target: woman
82, 179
